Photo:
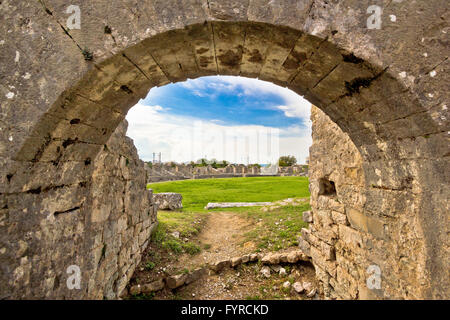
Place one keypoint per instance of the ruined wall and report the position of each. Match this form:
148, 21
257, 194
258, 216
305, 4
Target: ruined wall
64, 91
103, 234
349, 230
167, 172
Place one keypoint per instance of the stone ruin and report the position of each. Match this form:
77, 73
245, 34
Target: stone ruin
69, 197
169, 172
168, 200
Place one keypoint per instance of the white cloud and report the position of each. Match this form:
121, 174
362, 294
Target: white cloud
294, 107
181, 138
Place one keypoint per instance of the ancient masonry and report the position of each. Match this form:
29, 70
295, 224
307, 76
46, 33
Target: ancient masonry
64, 194
344, 238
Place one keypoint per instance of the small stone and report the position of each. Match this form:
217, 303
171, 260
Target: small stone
168, 200
135, 290
307, 216
312, 293
298, 287
286, 284
295, 256
236, 261
175, 234
219, 265
282, 272
307, 286
176, 281
283, 257
253, 257
195, 275
271, 258
276, 268
245, 258
153, 286
265, 271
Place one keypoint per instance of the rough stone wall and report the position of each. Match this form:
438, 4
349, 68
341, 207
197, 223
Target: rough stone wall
346, 235
123, 215
103, 235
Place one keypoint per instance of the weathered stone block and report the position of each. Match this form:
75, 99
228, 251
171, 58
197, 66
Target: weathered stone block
153, 286
195, 275
219, 265
339, 218
168, 200
176, 281
365, 223
304, 246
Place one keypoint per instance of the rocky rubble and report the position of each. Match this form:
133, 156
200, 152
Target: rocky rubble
270, 261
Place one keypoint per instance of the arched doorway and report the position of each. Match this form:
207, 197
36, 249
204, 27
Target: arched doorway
62, 123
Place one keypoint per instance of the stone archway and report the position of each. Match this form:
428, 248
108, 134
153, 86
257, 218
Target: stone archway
65, 91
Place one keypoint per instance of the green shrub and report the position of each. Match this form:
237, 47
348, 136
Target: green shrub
149, 265
172, 245
191, 248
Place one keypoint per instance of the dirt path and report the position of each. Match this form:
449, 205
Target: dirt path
224, 232
223, 235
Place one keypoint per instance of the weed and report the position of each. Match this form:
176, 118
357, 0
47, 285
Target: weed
191, 248
149, 265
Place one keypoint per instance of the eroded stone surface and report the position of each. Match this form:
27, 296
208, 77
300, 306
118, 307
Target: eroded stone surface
347, 235
168, 200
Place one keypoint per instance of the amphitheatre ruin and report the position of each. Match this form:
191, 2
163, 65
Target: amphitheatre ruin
73, 189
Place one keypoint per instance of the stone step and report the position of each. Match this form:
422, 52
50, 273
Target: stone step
176, 281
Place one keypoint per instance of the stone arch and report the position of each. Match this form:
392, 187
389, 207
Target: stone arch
85, 81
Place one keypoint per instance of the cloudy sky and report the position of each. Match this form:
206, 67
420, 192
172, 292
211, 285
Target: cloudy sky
227, 118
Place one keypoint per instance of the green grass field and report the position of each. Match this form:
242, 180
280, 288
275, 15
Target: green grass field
197, 193
279, 228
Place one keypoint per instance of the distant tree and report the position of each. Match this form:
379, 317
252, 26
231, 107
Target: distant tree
286, 161
172, 164
257, 165
219, 164
201, 162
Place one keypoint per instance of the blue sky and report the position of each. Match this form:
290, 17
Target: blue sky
232, 118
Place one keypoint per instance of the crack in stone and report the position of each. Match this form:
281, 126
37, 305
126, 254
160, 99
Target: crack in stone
300, 68
214, 43
160, 67
57, 213
325, 76
242, 50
